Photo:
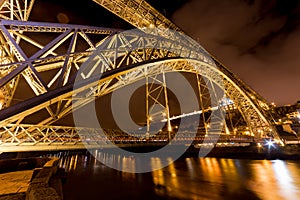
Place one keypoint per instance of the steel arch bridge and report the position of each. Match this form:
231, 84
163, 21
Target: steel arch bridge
46, 57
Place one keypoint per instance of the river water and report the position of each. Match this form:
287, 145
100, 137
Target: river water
186, 178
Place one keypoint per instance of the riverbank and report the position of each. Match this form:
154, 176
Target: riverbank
30, 179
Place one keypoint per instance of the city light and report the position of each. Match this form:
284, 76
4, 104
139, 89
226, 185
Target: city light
259, 145
169, 128
191, 113
222, 140
270, 143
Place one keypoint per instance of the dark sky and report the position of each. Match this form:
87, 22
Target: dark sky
259, 40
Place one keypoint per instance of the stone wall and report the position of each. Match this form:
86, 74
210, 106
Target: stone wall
46, 182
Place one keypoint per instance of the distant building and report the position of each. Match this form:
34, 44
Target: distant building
288, 119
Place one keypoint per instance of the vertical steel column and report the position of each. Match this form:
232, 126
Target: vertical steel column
147, 107
167, 110
201, 102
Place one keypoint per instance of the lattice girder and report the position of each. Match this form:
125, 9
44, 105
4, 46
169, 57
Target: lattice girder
142, 15
151, 55
134, 11
16, 9
140, 46
26, 135
48, 55
110, 60
11, 10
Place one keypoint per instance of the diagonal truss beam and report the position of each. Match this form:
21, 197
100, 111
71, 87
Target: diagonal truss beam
131, 64
123, 59
49, 54
16, 9
142, 15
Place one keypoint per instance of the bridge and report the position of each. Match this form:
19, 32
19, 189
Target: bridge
59, 69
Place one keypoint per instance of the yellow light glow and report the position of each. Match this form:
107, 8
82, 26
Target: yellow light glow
259, 145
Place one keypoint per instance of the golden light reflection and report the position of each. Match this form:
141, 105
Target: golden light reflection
206, 178
216, 167
172, 171
71, 163
157, 173
284, 180
128, 164
75, 163
210, 170
264, 182
190, 165
127, 176
68, 163
294, 172
229, 173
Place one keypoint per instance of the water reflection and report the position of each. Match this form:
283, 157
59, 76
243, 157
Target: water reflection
284, 180
188, 178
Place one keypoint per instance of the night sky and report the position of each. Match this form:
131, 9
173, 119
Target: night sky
259, 40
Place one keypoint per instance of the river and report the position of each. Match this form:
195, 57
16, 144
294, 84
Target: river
186, 178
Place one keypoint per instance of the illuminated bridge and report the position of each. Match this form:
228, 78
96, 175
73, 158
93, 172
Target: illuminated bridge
56, 70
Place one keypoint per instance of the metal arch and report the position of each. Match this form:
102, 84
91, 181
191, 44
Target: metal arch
14, 134
254, 117
35, 135
133, 11
142, 15
108, 59
116, 69
252, 106
47, 59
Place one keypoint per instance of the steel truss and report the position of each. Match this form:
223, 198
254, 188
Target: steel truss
142, 15
118, 61
122, 57
11, 10
16, 9
45, 58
